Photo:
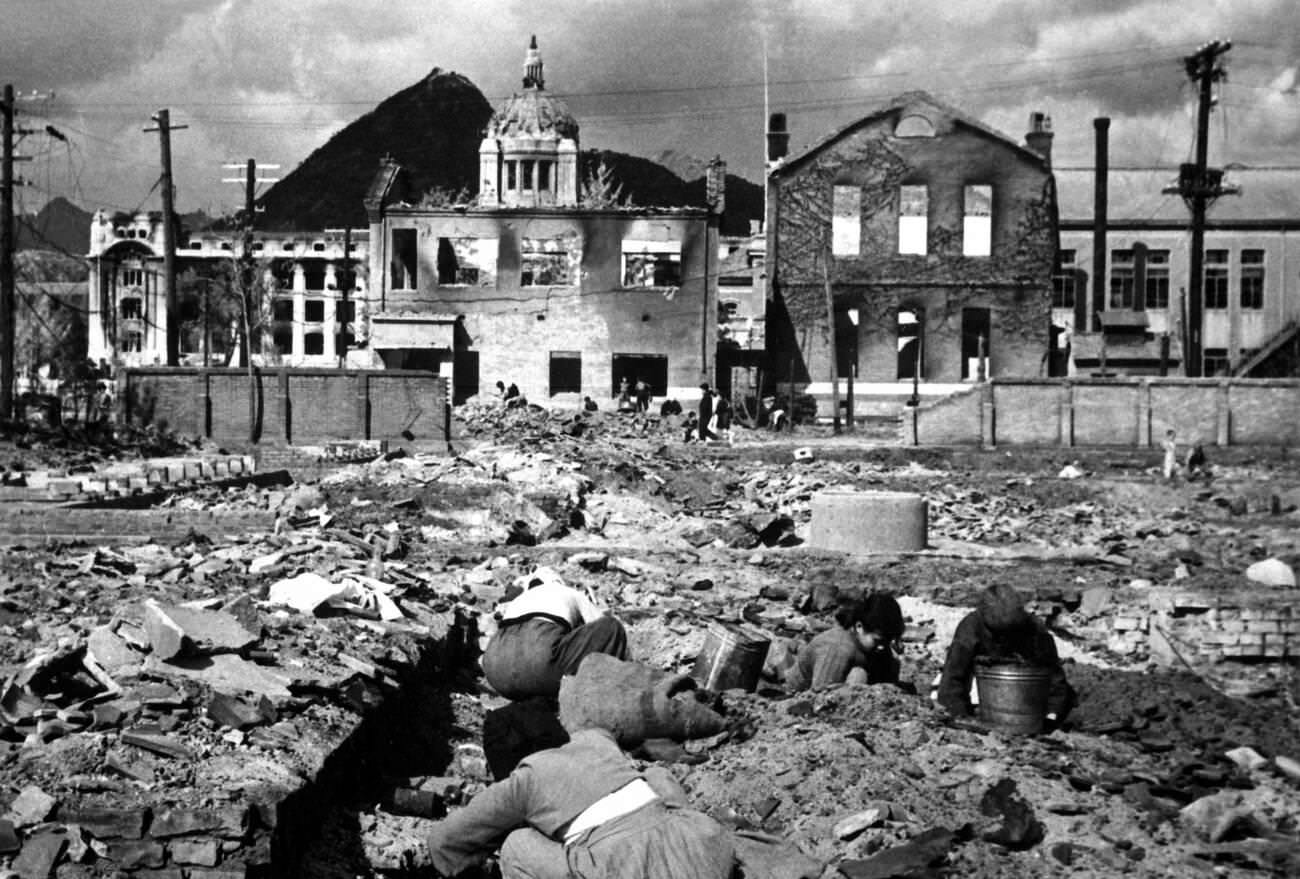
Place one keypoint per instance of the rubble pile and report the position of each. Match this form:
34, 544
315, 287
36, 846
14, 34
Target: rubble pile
221, 703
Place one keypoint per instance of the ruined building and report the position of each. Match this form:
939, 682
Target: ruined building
310, 296
544, 279
913, 238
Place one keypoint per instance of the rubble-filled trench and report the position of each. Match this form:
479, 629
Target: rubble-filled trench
319, 739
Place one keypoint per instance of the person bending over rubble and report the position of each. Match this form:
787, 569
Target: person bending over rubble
861, 649
583, 809
543, 634
1001, 630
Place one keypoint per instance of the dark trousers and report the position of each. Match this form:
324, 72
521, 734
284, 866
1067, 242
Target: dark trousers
528, 659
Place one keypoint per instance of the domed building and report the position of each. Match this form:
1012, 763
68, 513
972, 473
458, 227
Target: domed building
529, 157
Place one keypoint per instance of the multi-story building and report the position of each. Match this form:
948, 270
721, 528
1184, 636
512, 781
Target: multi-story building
915, 238
312, 295
1134, 321
541, 281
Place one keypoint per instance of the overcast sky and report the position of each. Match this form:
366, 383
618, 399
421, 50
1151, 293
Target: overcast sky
274, 79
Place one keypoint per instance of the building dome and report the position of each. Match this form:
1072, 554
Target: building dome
529, 153
536, 114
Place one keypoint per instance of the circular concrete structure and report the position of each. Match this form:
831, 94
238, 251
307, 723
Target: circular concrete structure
868, 521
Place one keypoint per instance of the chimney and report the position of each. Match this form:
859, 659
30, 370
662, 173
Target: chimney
778, 139
1039, 137
1101, 168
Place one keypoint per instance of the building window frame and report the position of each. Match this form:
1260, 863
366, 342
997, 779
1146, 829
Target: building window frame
1251, 279
846, 220
1155, 286
1215, 279
652, 264
1065, 282
1123, 278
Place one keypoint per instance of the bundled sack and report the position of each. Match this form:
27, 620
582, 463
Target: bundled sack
635, 702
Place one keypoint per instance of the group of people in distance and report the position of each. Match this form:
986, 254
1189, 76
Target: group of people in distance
585, 809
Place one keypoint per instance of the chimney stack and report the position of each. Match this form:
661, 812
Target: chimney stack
1039, 137
778, 139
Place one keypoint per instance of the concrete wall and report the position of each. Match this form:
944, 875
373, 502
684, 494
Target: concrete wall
1116, 412
296, 406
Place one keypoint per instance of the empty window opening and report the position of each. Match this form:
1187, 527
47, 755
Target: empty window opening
977, 228
1252, 279
314, 311
544, 176
282, 310
566, 372
404, 272
282, 340
132, 308
526, 174
652, 264
1065, 281
913, 219
346, 311
467, 261
132, 342
344, 341
649, 368
546, 262
313, 343
1216, 281
512, 179
909, 343
976, 351
846, 220
132, 277
314, 276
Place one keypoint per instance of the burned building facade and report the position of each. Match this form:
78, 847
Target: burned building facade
914, 238
541, 281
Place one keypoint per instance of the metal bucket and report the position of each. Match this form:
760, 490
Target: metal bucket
1013, 698
732, 657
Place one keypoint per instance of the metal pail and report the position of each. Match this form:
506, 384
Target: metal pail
1013, 698
732, 657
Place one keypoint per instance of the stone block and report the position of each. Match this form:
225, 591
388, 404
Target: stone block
183, 822
37, 480
1264, 626
107, 823
31, 806
193, 469
156, 475
1232, 626
235, 466
136, 854
65, 485
196, 852
1128, 624
94, 486
9, 842
221, 468
1274, 650
137, 483
176, 471
250, 465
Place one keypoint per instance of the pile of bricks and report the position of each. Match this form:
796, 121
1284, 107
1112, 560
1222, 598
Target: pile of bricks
1212, 626
132, 478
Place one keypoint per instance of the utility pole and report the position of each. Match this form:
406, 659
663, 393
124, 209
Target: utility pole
7, 295
252, 335
173, 328
345, 284
1200, 184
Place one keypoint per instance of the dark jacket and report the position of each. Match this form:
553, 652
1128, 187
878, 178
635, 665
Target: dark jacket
974, 641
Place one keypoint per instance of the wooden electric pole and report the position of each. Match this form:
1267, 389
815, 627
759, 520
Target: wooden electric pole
1199, 184
7, 257
173, 325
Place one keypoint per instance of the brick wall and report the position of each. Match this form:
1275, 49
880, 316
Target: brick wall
1210, 627
296, 406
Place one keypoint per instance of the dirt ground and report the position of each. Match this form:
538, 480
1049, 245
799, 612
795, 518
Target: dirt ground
1144, 741
673, 536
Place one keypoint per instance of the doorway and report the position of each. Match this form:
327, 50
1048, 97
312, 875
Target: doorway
975, 344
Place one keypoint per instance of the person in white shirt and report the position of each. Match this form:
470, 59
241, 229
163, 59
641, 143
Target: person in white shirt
544, 634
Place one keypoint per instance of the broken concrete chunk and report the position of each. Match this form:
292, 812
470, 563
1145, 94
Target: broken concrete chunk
231, 712
31, 806
847, 828
1289, 767
174, 630
8, 837
110, 650
157, 743
1272, 572
1247, 758
228, 673
183, 822
137, 854
196, 852
39, 855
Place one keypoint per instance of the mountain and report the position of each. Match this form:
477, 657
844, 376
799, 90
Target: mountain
432, 128
59, 226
